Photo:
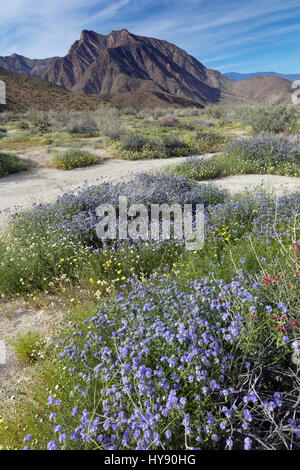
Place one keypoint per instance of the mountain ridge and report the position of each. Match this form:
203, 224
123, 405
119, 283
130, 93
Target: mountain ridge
121, 66
119, 61
238, 76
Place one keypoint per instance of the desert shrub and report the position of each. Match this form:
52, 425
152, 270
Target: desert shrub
34, 115
156, 113
153, 114
8, 116
262, 155
167, 121
144, 114
3, 117
225, 122
3, 132
134, 142
171, 144
109, 123
161, 147
201, 123
68, 159
210, 141
198, 169
81, 123
267, 154
216, 111
10, 163
188, 112
274, 118
23, 125
42, 125
28, 347
39, 119
129, 111
61, 119
266, 150
147, 122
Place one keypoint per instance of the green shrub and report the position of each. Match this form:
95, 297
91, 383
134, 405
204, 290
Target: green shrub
109, 123
210, 142
243, 157
10, 163
80, 123
28, 346
188, 112
138, 148
129, 111
23, 125
134, 142
9, 116
68, 159
216, 111
272, 118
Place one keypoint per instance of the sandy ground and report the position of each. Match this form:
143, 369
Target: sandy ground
16, 318
41, 184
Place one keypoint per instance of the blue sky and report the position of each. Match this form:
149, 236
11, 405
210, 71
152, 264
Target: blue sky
231, 35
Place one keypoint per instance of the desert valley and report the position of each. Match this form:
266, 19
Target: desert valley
136, 342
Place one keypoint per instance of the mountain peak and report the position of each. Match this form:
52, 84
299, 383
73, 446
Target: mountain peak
120, 34
126, 65
120, 31
87, 34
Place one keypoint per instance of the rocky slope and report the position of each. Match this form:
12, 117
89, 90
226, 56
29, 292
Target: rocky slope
123, 62
263, 89
24, 92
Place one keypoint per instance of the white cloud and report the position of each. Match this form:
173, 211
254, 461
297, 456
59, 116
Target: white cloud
211, 31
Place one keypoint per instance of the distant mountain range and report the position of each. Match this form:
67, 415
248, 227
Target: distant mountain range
129, 70
236, 76
18, 63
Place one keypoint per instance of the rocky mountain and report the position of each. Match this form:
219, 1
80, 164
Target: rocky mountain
18, 63
131, 70
236, 76
123, 62
263, 89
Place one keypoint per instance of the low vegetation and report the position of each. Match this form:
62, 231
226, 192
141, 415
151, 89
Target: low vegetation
137, 147
10, 163
270, 118
68, 159
261, 155
29, 347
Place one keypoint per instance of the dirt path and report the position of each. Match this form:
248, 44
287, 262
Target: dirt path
278, 184
41, 184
